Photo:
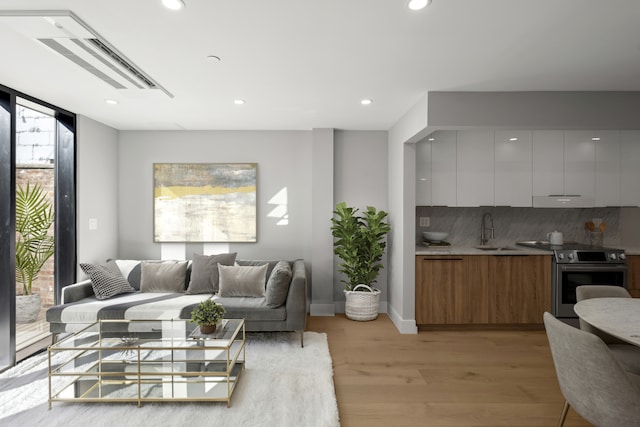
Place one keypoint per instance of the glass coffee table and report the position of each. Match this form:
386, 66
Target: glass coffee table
147, 361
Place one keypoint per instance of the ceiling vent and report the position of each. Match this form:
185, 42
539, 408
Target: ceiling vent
67, 35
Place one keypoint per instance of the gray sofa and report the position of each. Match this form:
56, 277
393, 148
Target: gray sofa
80, 306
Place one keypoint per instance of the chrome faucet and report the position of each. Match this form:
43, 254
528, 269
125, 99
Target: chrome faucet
483, 229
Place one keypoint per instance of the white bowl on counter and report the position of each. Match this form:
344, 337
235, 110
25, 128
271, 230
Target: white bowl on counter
434, 236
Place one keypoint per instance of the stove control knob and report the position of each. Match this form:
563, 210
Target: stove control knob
612, 256
560, 256
622, 256
571, 256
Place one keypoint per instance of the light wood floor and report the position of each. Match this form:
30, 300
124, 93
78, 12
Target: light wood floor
441, 378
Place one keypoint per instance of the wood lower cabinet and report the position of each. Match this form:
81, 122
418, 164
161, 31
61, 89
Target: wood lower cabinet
633, 278
479, 289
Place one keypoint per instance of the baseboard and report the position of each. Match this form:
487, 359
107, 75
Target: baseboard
322, 310
404, 326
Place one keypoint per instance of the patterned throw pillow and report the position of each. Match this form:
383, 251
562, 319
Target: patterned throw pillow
106, 280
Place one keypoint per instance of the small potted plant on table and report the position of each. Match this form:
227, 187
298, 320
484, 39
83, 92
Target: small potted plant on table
207, 314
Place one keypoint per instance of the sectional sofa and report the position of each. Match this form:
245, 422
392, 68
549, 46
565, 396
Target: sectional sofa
269, 295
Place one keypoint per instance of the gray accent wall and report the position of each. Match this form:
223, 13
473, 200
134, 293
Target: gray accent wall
97, 191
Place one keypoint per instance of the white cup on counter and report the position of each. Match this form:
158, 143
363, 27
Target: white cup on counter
555, 238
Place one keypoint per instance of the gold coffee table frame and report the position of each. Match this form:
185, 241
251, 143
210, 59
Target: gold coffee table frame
147, 361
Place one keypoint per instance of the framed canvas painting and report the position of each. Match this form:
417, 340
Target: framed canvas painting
204, 202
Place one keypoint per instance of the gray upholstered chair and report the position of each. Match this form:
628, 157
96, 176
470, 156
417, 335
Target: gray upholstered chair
590, 378
628, 355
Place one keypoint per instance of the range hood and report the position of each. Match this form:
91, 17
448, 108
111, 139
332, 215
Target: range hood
563, 201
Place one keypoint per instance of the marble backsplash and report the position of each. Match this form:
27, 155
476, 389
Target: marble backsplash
517, 224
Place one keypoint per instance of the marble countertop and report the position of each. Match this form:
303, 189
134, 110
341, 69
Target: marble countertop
511, 249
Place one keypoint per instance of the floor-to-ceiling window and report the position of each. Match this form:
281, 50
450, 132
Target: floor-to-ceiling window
37, 146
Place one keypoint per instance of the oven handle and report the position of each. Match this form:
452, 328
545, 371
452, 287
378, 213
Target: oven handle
592, 267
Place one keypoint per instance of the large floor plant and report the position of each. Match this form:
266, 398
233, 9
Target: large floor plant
34, 244
359, 242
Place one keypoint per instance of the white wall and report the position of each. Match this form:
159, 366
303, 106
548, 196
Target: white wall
97, 191
360, 164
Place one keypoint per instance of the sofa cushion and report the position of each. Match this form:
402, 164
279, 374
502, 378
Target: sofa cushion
242, 281
204, 272
131, 270
163, 276
106, 280
278, 284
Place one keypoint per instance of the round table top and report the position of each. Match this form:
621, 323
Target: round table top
619, 317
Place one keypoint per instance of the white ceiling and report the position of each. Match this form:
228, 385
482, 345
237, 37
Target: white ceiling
303, 64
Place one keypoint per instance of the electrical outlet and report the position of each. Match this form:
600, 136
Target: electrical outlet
425, 221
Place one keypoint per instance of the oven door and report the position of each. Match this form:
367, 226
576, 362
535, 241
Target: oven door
568, 277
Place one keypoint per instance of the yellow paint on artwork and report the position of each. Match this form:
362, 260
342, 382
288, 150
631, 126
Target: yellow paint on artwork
178, 191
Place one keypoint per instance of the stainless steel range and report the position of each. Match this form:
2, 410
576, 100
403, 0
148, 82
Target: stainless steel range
576, 264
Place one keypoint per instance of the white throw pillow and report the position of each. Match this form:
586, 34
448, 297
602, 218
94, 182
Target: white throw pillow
242, 281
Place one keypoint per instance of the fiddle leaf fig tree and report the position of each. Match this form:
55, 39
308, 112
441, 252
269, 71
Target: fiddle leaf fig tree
34, 244
360, 241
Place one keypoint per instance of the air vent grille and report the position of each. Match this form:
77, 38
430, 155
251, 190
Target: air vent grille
117, 58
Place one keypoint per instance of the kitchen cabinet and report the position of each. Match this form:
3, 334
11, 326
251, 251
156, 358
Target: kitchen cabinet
475, 168
423, 173
630, 168
608, 168
548, 162
579, 163
442, 296
443, 168
633, 278
482, 289
521, 288
513, 168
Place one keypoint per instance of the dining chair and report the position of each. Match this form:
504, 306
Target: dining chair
591, 380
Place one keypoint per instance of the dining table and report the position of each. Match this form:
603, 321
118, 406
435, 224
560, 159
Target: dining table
619, 317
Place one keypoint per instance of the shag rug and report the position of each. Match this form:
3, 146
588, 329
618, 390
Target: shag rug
282, 385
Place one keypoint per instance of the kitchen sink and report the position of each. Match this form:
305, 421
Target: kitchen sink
496, 248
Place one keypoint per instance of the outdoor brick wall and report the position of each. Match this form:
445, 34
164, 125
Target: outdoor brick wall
44, 176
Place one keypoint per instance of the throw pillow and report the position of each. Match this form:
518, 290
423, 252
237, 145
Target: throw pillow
278, 284
163, 276
204, 272
106, 280
242, 281
130, 269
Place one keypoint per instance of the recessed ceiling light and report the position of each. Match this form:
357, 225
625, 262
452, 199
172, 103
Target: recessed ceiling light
513, 139
213, 58
418, 4
238, 101
111, 101
595, 138
366, 101
174, 4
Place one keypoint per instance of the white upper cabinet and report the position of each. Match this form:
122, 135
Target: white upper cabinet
423, 173
630, 165
579, 163
443, 168
475, 168
548, 162
513, 168
608, 176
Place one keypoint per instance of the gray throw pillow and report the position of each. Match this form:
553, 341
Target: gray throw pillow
106, 280
278, 284
163, 276
242, 281
204, 272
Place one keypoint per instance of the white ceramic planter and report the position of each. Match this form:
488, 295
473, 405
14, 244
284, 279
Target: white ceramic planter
27, 308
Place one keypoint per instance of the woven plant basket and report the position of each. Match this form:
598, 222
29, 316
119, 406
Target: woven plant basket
362, 306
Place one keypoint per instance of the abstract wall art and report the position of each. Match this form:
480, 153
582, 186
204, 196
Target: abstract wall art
204, 202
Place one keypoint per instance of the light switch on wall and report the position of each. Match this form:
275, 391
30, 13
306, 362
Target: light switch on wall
93, 223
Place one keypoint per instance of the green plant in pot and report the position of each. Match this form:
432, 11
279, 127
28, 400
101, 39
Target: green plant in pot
207, 314
34, 246
360, 242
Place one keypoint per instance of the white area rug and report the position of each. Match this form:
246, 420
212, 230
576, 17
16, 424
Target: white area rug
283, 385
